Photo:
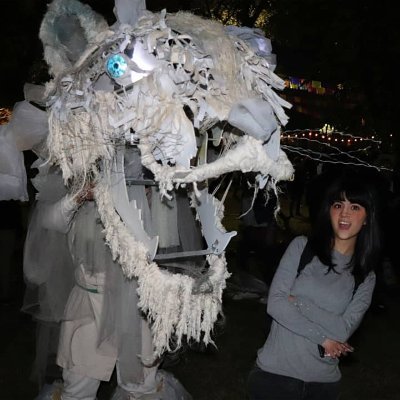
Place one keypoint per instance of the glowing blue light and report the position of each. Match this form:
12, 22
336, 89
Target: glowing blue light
116, 66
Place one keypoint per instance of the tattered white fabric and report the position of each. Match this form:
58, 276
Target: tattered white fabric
12, 170
28, 125
177, 77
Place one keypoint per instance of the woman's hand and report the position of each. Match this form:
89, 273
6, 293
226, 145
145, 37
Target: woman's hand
336, 349
333, 348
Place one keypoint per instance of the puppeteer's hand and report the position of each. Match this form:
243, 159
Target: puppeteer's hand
336, 349
86, 194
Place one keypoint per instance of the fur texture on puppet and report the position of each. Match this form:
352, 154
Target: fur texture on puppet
189, 74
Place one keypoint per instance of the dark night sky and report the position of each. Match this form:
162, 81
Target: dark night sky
21, 49
19, 45
21, 58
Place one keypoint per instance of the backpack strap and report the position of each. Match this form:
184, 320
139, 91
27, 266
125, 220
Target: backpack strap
306, 257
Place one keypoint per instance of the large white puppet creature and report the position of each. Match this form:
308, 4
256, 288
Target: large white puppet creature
130, 112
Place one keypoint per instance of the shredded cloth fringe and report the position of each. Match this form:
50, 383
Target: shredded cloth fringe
169, 300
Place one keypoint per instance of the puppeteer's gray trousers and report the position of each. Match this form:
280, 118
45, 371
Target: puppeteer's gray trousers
79, 387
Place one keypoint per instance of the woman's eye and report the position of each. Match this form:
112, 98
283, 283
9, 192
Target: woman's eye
337, 206
355, 207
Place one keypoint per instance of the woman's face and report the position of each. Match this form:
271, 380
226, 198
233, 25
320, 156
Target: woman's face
347, 220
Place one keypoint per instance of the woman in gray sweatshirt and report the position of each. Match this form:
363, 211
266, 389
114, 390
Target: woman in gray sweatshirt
317, 309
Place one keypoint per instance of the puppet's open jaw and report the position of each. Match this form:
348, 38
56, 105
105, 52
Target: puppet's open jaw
168, 84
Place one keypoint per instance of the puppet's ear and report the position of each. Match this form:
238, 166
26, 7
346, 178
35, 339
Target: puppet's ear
67, 29
129, 11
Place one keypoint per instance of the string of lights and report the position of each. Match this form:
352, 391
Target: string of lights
323, 147
327, 134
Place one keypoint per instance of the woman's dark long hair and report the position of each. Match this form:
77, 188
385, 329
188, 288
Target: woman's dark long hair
356, 188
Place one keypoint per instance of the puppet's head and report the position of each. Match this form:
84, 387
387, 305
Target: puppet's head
190, 99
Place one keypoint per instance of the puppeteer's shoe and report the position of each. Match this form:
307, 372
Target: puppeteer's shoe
168, 388
121, 394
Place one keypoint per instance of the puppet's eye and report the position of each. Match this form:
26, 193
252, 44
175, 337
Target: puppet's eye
116, 66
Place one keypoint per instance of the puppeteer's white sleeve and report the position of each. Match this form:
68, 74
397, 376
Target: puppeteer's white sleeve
58, 216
